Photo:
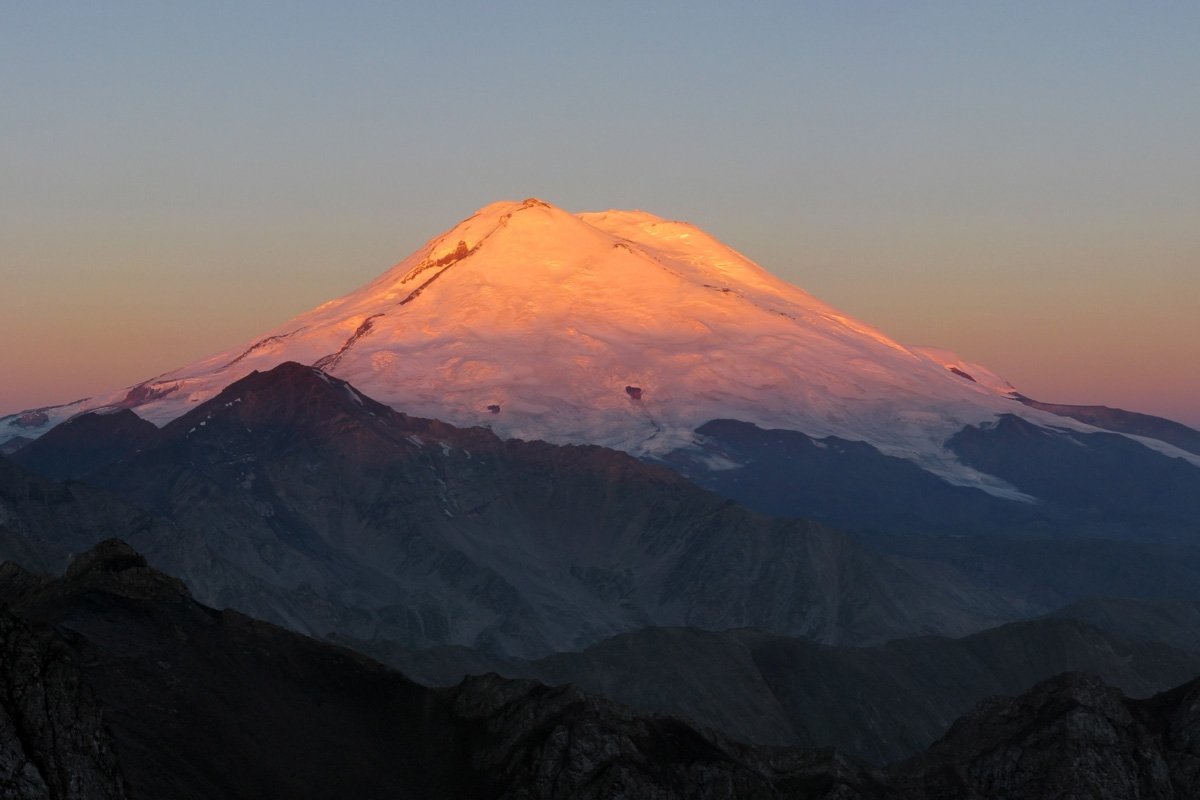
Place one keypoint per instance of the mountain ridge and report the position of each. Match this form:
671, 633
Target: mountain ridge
112, 692
879, 703
341, 514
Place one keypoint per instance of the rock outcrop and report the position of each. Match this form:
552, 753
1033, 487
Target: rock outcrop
53, 742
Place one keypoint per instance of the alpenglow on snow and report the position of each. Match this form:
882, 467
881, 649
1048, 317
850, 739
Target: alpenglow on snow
617, 328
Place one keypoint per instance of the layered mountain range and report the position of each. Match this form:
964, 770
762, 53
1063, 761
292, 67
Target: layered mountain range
292, 496
607, 450
115, 683
449, 552
648, 337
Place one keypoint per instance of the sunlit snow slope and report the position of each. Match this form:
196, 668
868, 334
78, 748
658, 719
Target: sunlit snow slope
616, 328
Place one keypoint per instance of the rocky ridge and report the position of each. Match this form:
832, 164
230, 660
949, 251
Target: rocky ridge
198, 703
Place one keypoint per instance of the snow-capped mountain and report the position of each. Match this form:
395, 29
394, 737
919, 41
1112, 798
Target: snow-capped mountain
617, 328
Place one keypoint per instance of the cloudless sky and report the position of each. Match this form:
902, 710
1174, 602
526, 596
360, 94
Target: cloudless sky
1018, 182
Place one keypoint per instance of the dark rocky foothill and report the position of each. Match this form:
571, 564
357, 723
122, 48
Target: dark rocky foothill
1071, 736
878, 703
117, 684
53, 742
191, 702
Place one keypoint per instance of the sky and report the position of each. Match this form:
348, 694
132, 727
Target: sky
1016, 182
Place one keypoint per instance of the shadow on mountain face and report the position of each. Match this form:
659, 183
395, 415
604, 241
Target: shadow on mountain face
1095, 485
305, 503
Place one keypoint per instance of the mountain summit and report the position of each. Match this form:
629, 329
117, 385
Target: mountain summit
617, 328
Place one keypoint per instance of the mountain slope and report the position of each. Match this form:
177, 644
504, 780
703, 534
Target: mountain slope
1111, 419
340, 514
879, 703
848, 484
1096, 484
1052, 570
86, 442
1071, 736
199, 704
1109, 479
1174, 623
53, 738
1122, 421
43, 523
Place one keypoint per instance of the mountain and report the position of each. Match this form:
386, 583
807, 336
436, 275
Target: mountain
879, 703
44, 523
847, 484
85, 442
1096, 484
649, 336
1051, 570
1113, 484
117, 684
334, 515
617, 328
1174, 623
1122, 421
292, 485
302, 501
198, 703
1071, 736
574, 375
53, 739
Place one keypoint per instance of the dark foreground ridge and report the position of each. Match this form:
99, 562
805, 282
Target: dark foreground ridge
199, 703
880, 703
115, 683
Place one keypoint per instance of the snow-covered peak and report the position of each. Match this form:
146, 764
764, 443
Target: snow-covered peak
617, 328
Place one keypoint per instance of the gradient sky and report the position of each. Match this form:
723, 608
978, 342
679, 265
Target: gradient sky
1016, 182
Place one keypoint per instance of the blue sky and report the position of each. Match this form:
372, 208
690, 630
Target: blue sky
1017, 182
